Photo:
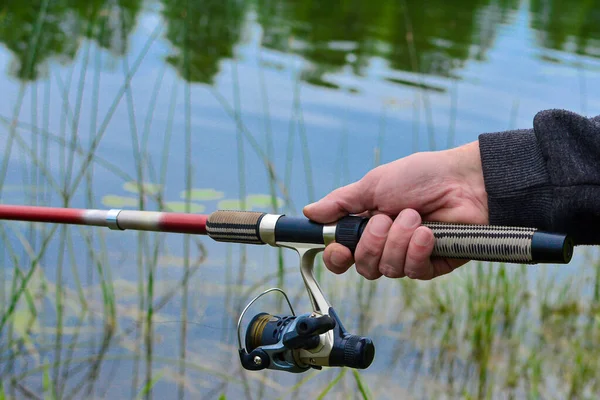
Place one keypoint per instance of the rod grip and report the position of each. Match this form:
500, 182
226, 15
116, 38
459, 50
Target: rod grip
235, 226
479, 242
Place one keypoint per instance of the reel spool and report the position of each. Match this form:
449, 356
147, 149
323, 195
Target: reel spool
297, 343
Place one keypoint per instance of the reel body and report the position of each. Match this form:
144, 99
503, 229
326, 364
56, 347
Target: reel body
297, 343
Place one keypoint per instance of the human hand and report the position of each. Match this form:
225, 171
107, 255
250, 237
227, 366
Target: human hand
443, 186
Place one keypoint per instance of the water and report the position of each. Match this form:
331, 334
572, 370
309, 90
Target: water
206, 95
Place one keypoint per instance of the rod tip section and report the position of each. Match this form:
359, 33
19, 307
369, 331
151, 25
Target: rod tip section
551, 248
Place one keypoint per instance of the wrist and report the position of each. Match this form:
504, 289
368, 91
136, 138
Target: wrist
468, 168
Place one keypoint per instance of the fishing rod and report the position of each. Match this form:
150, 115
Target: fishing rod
296, 343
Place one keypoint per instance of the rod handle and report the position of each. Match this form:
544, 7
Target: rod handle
235, 226
510, 244
478, 242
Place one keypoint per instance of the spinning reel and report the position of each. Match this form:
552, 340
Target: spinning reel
296, 343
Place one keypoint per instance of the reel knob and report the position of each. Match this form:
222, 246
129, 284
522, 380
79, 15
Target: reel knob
350, 350
359, 352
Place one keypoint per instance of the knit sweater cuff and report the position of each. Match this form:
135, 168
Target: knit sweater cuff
516, 179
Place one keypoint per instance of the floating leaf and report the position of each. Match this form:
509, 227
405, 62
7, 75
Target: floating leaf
252, 201
229, 204
119, 201
263, 201
180, 206
149, 188
202, 194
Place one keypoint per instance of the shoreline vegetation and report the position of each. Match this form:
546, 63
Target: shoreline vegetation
177, 105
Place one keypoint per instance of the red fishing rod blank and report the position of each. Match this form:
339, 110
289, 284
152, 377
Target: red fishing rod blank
114, 219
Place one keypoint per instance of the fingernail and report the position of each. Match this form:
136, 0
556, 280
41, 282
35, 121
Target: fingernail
379, 226
336, 259
409, 218
422, 237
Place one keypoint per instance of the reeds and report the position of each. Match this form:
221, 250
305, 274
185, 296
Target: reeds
85, 312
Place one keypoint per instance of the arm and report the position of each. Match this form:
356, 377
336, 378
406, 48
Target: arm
547, 177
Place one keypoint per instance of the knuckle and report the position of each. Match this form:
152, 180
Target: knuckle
371, 276
415, 273
366, 272
390, 271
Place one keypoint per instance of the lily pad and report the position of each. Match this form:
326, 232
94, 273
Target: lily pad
253, 201
119, 201
202, 194
149, 188
263, 201
230, 204
180, 206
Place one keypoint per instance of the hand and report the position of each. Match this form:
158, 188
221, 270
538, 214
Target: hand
443, 186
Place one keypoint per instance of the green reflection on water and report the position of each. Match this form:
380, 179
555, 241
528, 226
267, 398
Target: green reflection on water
464, 326
434, 37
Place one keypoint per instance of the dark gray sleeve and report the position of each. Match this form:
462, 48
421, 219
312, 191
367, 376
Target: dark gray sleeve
547, 177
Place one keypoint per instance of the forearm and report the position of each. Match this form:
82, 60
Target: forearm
547, 177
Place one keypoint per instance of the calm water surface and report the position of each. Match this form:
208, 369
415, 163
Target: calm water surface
207, 97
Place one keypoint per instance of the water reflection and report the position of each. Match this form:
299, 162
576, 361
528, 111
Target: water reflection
40, 31
567, 26
202, 33
432, 38
121, 323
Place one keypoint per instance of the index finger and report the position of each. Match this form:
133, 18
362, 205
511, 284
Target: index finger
350, 199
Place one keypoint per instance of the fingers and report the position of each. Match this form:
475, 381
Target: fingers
338, 258
394, 253
395, 249
418, 263
371, 246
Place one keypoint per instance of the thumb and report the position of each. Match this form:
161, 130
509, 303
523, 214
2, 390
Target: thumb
351, 199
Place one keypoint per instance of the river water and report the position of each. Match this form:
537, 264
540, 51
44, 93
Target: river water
207, 97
